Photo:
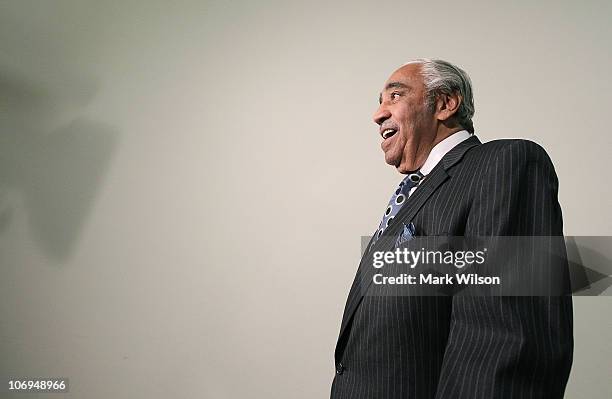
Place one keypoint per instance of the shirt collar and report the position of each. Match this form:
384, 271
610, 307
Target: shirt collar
440, 149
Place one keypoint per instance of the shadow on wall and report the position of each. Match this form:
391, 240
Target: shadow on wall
54, 158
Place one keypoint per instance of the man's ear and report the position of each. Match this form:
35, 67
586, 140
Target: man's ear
447, 105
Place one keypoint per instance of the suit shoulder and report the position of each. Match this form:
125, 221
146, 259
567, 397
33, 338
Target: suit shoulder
520, 149
512, 145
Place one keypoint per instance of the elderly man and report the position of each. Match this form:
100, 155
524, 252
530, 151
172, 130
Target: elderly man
393, 346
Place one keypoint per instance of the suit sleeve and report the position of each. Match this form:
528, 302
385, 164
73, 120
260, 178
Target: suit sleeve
511, 346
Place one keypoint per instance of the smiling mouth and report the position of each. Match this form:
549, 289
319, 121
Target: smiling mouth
387, 133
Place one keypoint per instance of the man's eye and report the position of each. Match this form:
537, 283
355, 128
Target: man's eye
395, 95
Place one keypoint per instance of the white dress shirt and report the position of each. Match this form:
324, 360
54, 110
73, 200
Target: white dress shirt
438, 152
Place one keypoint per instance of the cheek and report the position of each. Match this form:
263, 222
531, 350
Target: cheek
414, 121
409, 116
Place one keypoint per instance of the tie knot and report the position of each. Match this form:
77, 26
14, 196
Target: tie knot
415, 177
412, 179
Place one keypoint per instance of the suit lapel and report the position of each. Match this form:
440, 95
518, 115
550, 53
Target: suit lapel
363, 278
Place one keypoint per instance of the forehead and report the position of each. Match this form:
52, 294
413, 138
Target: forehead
409, 74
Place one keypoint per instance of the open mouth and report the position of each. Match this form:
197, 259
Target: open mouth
387, 133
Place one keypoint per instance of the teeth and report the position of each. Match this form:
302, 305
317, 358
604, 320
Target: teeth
388, 133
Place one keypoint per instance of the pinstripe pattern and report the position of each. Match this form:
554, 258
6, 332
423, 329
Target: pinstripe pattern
464, 347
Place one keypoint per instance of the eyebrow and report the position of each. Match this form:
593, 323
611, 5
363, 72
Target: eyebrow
393, 85
396, 85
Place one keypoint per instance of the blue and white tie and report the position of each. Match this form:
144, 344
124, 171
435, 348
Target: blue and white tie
398, 199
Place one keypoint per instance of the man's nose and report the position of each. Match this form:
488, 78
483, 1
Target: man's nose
381, 114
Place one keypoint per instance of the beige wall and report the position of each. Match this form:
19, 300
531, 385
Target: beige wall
180, 201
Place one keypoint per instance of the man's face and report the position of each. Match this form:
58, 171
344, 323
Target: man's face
407, 125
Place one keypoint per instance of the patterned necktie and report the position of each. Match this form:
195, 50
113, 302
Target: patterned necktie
397, 201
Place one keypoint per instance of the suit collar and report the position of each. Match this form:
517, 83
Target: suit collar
442, 148
455, 155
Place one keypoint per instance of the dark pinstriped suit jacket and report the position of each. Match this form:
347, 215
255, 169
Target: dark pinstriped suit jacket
464, 347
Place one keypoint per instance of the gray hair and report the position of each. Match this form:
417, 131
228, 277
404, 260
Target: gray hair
442, 77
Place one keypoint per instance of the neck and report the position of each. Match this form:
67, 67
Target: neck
445, 132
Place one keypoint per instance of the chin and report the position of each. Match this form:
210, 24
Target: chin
396, 165
391, 160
